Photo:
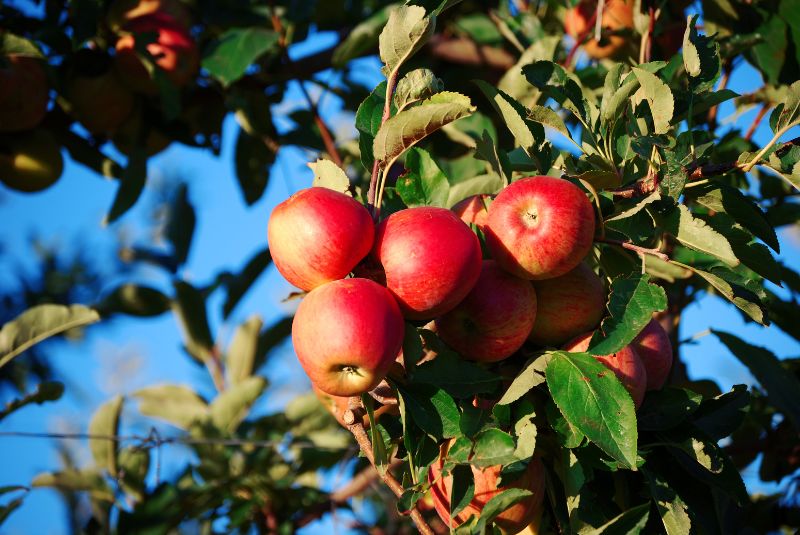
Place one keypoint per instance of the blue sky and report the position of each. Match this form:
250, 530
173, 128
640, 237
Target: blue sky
124, 355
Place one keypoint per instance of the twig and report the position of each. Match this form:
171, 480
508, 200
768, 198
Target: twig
641, 251
757, 121
723, 83
216, 369
327, 138
391, 82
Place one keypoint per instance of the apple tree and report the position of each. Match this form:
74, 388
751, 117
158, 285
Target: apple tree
493, 262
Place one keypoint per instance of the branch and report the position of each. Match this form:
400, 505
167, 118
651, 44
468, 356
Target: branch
327, 138
465, 51
391, 82
641, 251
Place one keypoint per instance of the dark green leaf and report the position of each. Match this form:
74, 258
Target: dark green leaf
457, 377
134, 300
227, 58
667, 408
527, 133
673, 510
493, 447
362, 39
432, 409
424, 183
180, 224
368, 121
463, 489
238, 284
720, 416
45, 391
131, 184
631, 522
700, 57
659, 97
496, 505
253, 160
696, 234
190, 308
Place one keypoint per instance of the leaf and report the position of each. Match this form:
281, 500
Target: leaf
180, 224
525, 430
134, 300
560, 85
485, 149
362, 39
39, 323
105, 422
237, 285
514, 116
461, 188
175, 404
659, 97
463, 489
631, 304
457, 377
329, 175
408, 127
630, 522
673, 510
131, 184
14, 44
548, 117
253, 159
592, 399
228, 57
45, 391
496, 505
407, 30
10, 507
493, 447
76, 481
696, 234
781, 386
667, 408
789, 114
700, 57
530, 376
416, 85
232, 406
740, 296
424, 183
190, 309
432, 409
720, 416
242, 351
368, 121
619, 100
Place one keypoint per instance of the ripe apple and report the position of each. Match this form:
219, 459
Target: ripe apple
494, 319
625, 363
472, 210
318, 235
122, 12
430, 257
174, 51
99, 99
23, 93
513, 519
670, 38
655, 350
347, 334
540, 227
567, 306
30, 161
579, 23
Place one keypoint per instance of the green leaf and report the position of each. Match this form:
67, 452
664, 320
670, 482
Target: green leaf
631, 522
407, 30
457, 377
673, 510
175, 404
493, 447
461, 188
105, 422
253, 159
557, 83
329, 175
190, 309
531, 376
781, 385
424, 183
514, 117
134, 300
525, 430
463, 489
769, 55
592, 399
432, 409
362, 39
39, 323
76, 481
416, 85
368, 121
45, 391
10, 507
700, 57
747, 301
237, 285
134, 463
615, 104
789, 114
233, 405
667, 408
14, 44
548, 117
720, 416
631, 304
228, 57
659, 97
410, 126
696, 234
496, 505
241, 353
485, 149
180, 224
131, 184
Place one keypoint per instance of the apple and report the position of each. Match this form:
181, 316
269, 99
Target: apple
472, 210
579, 23
625, 363
568, 305
30, 161
540, 227
669, 39
318, 235
98, 98
513, 519
122, 12
174, 51
23, 93
655, 350
494, 319
137, 131
431, 260
347, 334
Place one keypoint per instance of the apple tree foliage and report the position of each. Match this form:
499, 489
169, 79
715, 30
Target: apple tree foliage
476, 95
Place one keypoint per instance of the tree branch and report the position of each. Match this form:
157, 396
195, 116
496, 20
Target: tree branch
641, 251
327, 138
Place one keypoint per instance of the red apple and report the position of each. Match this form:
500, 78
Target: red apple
655, 349
567, 306
318, 235
495, 318
513, 519
540, 227
472, 210
121, 12
347, 334
23, 93
174, 51
579, 23
625, 363
430, 257
669, 39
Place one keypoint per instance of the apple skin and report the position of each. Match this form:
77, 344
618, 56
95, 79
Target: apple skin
347, 335
99, 99
655, 350
23, 93
568, 305
30, 161
430, 257
670, 39
626, 364
318, 235
540, 227
494, 319
472, 210
513, 519
121, 12
617, 15
174, 50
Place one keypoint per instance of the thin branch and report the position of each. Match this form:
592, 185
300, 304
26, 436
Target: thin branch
723, 83
757, 121
641, 251
327, 138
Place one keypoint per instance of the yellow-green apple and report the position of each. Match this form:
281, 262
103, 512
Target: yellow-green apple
430, 257
347, 335
318, 235
494, 319
513, 519
121, 12
137, 131
625, 363
174, 51
568, 305
540, 227
30, 161
472, 210
23, 93
99, 100
579, 23
655, 350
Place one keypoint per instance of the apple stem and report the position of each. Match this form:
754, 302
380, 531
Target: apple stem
354, 419
641, 251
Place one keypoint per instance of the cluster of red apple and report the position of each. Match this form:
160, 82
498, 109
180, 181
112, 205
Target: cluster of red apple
97, 89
